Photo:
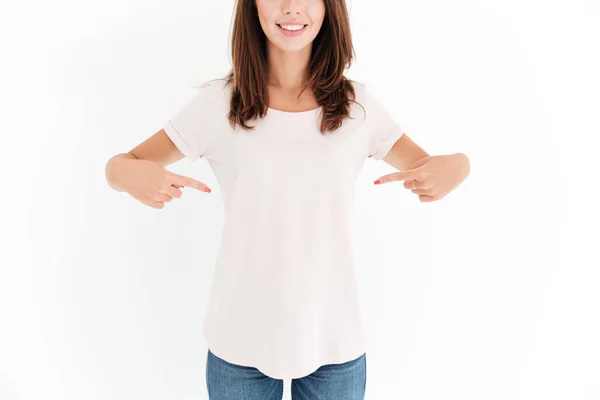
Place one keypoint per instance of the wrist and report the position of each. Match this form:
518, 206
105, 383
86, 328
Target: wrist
115, 170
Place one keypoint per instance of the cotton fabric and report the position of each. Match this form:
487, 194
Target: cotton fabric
284, 296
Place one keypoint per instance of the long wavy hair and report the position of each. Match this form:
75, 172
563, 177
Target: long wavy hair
332, 52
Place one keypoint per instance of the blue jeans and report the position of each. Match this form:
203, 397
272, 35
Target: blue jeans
227, 381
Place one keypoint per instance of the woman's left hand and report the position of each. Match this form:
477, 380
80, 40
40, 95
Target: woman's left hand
432, 177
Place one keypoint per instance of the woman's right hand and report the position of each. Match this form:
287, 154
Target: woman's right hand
150, 183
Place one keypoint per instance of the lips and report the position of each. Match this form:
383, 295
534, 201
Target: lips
293, 24
290, 23
290, 32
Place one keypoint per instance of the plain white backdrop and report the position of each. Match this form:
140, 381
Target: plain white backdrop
488, 294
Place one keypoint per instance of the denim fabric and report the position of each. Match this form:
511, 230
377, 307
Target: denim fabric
227, 381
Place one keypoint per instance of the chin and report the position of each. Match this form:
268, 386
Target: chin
292, 48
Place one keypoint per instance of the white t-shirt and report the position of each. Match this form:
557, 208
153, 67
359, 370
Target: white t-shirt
284, 298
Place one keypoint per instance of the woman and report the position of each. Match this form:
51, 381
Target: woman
285, 133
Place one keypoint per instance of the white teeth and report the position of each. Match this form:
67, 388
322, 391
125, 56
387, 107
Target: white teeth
292, 27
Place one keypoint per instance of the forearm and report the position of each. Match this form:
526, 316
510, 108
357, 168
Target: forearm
112, 170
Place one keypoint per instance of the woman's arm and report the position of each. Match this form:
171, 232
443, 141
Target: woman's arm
113, 168
141, 173
429, 177
403, 153
158, 148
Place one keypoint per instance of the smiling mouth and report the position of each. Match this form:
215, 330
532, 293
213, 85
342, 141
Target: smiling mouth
303, 26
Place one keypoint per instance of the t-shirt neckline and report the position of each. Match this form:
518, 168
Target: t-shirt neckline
293, 113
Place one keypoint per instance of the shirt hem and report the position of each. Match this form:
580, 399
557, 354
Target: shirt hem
388, 143
176, 138
223, 354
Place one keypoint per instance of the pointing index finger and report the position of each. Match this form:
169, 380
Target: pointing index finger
410, 174
190, 182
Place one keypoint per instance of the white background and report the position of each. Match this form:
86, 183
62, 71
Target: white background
490, 293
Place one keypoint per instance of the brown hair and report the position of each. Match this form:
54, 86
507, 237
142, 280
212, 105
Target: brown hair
332, 52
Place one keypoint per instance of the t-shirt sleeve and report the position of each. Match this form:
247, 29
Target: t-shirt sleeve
193, 128
383, 129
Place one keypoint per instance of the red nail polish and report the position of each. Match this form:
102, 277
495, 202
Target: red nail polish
207, 190
377, 182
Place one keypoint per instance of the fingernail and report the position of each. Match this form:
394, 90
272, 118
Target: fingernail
207, 190
377, 182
